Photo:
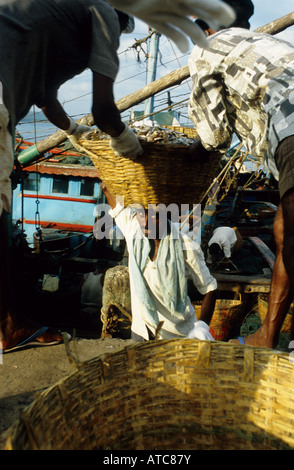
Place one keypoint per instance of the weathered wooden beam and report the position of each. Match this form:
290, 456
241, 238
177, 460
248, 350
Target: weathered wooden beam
242, 284
278, 25
264, 250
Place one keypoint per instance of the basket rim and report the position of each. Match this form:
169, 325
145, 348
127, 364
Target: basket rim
142, 142
207, 357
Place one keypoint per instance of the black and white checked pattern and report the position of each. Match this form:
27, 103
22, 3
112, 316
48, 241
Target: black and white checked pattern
243, 84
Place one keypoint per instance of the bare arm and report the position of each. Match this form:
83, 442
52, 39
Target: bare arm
123, 140
207, 307
111, 199
104, 110
55, 112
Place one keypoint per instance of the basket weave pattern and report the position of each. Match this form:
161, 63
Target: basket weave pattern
226, 319
263, 308
176, 394
165, 173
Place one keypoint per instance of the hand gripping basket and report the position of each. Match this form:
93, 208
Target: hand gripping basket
165, 173
166, 395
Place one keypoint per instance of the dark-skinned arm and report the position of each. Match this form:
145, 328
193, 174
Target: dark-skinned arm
54, 112
104, 110
207, 306
111, 199
123, 140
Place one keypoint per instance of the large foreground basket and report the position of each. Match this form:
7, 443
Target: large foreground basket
165, 173
176, 394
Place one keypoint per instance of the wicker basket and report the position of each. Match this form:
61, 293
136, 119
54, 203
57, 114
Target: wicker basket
226, 320
176, 394
263, 308
165, 173
188, 131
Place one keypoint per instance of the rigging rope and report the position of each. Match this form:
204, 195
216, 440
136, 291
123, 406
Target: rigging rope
223, 171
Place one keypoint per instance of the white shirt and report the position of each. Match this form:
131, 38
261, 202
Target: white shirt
195, 267
226, 238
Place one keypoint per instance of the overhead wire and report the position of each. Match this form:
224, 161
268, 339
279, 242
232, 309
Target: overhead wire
160, 97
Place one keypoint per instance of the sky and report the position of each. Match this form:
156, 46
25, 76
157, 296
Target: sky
76, 95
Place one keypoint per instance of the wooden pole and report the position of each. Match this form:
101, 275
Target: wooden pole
278, 25
173, 78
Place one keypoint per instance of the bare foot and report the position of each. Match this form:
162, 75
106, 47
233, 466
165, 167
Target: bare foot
259, 338
15, 336
49, 336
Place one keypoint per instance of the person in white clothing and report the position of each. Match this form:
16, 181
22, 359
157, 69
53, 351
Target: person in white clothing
159, 265
57, 40
221, 244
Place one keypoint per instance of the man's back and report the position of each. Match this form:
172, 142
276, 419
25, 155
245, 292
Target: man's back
46, 42
239, 83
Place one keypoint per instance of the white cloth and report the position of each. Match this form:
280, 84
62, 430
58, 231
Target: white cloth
126, 144
185, 230
195, 268
170, 17
6, 161
200, 330
226, 238
74, 133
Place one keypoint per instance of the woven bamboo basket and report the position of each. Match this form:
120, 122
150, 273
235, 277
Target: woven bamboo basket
262, 310
188, 131
167, 395
165, 173
226, 320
